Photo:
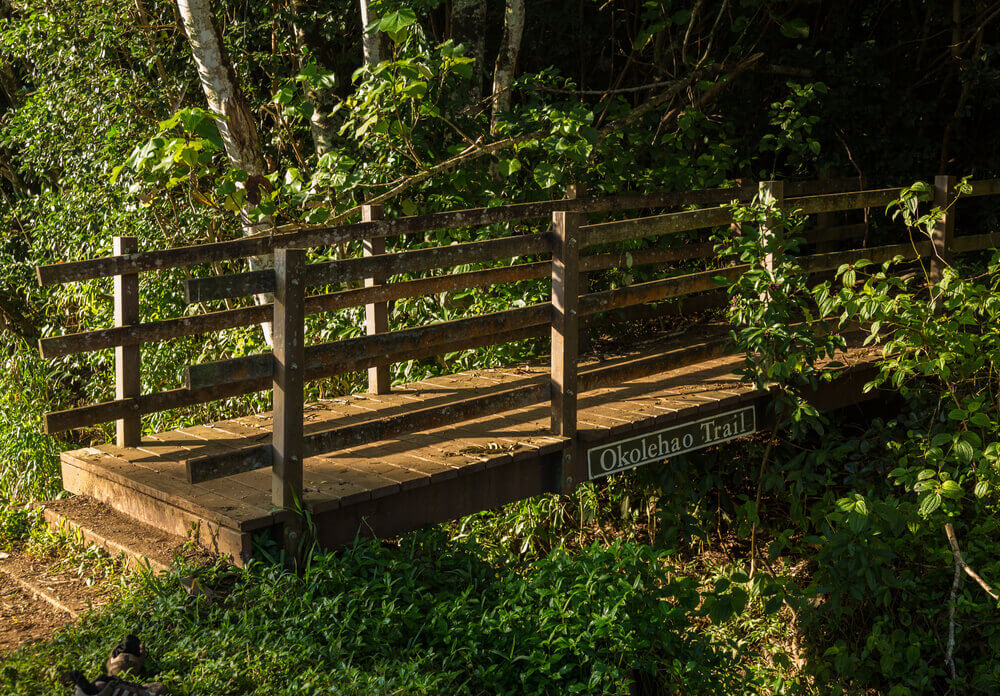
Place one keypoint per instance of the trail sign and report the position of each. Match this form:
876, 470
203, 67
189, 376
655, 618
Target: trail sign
656, 446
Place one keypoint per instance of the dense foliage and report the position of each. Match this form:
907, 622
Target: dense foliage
428, 617
817, 557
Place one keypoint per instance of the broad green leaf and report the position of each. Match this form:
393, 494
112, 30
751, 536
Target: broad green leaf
930, 503
509, 166
952, 490
395, 23
546, 175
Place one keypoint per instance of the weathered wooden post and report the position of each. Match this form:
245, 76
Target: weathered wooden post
376, 313
574, 191
943, 235
565, 338
289, 357
127, 359
770, 192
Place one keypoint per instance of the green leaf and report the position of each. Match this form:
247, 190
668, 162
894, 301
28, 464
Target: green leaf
395, 23
930, 503
964, 451
980, 419
546, 175
982, 488
952, 490
508, 167
795, 29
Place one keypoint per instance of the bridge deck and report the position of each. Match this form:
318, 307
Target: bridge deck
390, 486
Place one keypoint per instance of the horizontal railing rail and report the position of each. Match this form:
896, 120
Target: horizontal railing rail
300, 236
572, 248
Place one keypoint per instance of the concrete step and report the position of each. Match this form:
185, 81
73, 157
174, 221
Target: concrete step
140, 544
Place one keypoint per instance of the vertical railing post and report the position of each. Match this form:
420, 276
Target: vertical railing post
289, 353
566, 338
574, 191
376, 313
127, 368
770, 192
943, 235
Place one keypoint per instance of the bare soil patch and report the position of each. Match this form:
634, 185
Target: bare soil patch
38, 597
24, 618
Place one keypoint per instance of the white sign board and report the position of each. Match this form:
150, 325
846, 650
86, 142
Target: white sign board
661, 444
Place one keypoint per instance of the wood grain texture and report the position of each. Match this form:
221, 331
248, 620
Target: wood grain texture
128, 382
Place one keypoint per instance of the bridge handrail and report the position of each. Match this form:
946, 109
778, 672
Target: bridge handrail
560, 316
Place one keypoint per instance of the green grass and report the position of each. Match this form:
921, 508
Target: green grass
429, 616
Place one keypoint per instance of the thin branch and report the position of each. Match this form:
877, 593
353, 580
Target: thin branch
949, 655
949, 531
605, 92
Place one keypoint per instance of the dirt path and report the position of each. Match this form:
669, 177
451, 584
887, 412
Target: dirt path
37, 598
24, 618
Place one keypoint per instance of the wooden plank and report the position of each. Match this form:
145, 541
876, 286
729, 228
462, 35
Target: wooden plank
342, 356
177, 398
657, 225
976, 242
943, 234
217, 538
835, 233
376, 313
401, 477
815, 187
128, 429
371, 266
832, 202
565, 328
984, 187
149, 332
172, 447
287, 450
656, 290
324, 235
338, 477
815, 263
223, 511
201, 469
645, 257
57, 346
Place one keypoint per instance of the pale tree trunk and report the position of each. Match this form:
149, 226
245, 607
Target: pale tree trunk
233, 118
319, 127
506, 65
371, 41
468, 19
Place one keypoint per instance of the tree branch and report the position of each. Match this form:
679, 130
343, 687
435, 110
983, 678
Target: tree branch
949, 531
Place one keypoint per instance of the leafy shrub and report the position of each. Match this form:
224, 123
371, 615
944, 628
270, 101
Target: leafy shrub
428, 617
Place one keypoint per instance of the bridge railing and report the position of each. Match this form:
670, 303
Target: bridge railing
576, 248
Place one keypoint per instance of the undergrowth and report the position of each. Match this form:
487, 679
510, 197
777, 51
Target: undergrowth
428, 615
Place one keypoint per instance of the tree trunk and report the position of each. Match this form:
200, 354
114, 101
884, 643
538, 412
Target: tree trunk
319, 127
371, 41
233, 118
510, 47
468, 20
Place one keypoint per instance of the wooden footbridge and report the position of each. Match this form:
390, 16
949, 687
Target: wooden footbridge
401, 456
